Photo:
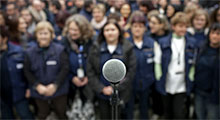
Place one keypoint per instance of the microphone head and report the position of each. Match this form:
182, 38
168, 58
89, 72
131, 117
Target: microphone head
114, 70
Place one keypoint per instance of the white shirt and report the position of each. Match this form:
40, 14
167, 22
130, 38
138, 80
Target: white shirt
157, 53
175, 83
111, 48
139, 44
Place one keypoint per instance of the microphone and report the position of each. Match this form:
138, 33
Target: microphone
114, 71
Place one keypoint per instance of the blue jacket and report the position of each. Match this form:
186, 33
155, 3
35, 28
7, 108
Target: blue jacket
46, 68
207, 74
190, 55
86, 14
17, 82
105, 56
200, 36
73, 55
144, 76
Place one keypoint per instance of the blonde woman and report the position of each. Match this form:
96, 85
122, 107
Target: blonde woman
46, 67
200, 26
99, 18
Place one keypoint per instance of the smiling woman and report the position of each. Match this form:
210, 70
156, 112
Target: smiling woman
199, 29
207, 77
46, 66
77, 39
99, 18
44, 33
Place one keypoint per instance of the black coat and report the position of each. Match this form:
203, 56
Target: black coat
94, 71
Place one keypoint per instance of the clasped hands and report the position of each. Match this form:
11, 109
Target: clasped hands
46, 90
79, 82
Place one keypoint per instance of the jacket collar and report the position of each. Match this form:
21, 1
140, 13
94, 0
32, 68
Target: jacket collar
192, 31
50, 50
12, 49
146, 41
118, 49
167, 41
189, 42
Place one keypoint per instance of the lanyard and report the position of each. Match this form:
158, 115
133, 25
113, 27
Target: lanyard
179, 51
80, 55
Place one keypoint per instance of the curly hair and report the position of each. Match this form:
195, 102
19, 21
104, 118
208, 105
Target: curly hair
83, 24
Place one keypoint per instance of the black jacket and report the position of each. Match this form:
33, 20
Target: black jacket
94, 71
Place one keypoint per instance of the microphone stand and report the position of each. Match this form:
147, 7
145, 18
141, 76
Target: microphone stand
114, 102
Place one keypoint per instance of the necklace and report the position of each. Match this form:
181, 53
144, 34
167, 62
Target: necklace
178, 51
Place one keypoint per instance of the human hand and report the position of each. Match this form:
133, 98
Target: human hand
41, 89
28, 93
107, 90
80, 82
84, 81
51, 89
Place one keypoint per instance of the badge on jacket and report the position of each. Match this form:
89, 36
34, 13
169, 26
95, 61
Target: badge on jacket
80, 73
19, 65
51, 62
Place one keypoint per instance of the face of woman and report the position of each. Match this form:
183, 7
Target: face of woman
44, 37
138, 29
125, 10
170, 11
199, 22
74, 31
97, 15
22, 26
111, 33
155, 26
214, 38
26, 15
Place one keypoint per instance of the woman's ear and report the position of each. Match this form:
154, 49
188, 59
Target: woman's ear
53, 36
145, 29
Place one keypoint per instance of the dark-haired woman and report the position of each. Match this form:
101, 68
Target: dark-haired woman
110, 44
13, 85
207, 77
144, 75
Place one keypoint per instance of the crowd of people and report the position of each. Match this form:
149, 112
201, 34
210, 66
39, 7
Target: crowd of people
52, 53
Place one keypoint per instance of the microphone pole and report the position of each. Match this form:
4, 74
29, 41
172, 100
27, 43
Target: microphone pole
114, 102
114, 71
